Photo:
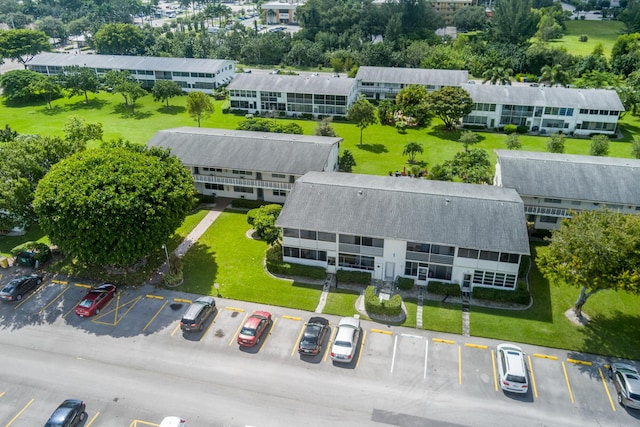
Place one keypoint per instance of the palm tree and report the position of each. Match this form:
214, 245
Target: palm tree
555, 75
411, 149
498, 75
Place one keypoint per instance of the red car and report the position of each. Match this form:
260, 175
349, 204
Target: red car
95, 300
254, 328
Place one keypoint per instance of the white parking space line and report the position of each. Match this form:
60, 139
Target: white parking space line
393, 357
426, 356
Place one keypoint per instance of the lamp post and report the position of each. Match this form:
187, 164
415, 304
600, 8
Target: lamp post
166, 253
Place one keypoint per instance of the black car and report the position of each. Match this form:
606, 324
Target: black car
69, 414
313, 336
193, 319
18, 287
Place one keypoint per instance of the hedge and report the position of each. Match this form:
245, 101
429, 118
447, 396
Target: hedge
248, 204
441, 288
405, 283
519, 296
276, 266
359, 277
373, 305
42, 252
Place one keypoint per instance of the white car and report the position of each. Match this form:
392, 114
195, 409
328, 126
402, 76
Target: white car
512, 368
173, 422
346, 340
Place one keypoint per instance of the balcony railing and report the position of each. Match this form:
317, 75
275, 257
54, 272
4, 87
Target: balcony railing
540, 210
252, 183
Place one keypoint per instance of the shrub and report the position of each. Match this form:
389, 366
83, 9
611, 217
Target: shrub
359, 277
518, 296
41, 251
276, 266
373, 305
405, 283
441, 288
522, 129
583, 38
226, 107
248, 204
509, 129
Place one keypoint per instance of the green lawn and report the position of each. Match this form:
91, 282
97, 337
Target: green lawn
33, 234
613, 329
603, 32
442, 316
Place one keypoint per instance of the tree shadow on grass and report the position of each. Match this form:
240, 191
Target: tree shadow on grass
373, 148
172, 110
441, 133
615, 335
94, 104
125, 111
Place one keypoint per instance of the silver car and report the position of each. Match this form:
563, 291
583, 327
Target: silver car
627, 381
346, 340
512, 368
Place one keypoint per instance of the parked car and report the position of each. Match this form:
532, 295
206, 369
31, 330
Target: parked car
173, 422
197, 313
346, 340
254, 328
18, 287
512, 368
69, 414
95, 300
627, 381
313, 336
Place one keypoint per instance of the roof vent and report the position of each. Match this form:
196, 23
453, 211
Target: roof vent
360, 192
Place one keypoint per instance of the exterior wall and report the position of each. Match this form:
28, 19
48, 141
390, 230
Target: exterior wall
386, 90
544, 119
392, 260
279, 13
332, 161
447, 8
250, 185
189, 81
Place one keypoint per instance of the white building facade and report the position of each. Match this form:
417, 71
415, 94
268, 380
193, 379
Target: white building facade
248, 165
203, 75
391, 227
544, 109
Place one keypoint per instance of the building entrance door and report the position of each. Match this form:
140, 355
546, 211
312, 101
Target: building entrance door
423, 273
389, 270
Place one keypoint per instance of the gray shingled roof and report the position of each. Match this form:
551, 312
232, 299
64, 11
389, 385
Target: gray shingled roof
255, 151
466, 215
416, 76
569, 176
600, 99
293, 84
123, 62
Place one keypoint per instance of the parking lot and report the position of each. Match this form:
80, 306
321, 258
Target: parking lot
560, 382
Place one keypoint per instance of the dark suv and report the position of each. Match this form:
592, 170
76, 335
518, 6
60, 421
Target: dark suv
198, 312
69, 414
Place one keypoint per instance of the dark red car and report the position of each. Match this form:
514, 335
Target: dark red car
254, 328
95, 300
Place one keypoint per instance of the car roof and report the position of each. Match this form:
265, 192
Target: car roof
631, 374
206, 299
318, 320
349, 321
255, 319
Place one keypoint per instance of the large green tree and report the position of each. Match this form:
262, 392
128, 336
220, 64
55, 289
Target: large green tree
263, 220
555, 75
79, 81
411, 102
163, 90
46, 86
18, 85
199, 106
115, 204
411, 150
119, 39
497, 75
472, 167
22, 45
450, 104
594, 251
363, 113
513, 21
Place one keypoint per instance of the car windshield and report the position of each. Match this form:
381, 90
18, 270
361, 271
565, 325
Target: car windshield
343, 343
85, 303
516, 379
309, 339
248, 331
10, 287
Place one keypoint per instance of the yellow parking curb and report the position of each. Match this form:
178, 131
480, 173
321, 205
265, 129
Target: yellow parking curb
480, 346
382, 331
154, 296
442, 341
239, 310
544, 356
59, 282
186, 301
82, 285
579, 362
292, 317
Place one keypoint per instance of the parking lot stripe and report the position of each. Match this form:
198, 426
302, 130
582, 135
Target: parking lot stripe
442, 341
53, 300
478, 346
606, 389
566, 377
412, 336
459, 364
135, 423
295, 345
333, 336
31, 295
544, 356
19, 413
239, 310
291, 317
2, 393
579, 362
493, 365
533, 378
176, 329
235, 336
154, 296
132, 303
270, 331
426, 355
154, 316
92, 419
393, 357
364, 337
215, 315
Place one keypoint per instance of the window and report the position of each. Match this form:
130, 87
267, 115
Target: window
241, 172
348, 239
490, 278
278, 175
218, 187
489, 255
418, 247
549, 219
239, 189
468, 253
280, 193
552, 200
291, 252
291, 232
326, 237
442, 250
370, 241
510, 258
308, 234
360, 262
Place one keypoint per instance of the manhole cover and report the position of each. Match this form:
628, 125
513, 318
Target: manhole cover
219, 333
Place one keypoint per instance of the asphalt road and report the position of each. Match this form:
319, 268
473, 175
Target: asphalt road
133, 366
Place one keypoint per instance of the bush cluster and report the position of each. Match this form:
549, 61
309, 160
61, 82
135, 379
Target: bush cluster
248, 204
441, 288
42, 252
405, 283
373, 305
509, 129
519, 296
276, 266
359, 277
